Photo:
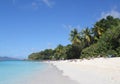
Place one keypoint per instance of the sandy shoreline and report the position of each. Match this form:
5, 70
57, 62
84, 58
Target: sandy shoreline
50, 75
95, 71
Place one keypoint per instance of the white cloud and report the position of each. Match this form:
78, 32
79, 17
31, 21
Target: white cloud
113, 12
49, 3
34, 4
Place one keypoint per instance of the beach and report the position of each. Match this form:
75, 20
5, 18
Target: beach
31, 72
77, 71
50, 75
94, 71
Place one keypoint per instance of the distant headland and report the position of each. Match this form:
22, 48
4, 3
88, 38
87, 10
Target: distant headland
5, 58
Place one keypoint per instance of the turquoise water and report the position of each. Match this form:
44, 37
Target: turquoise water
12, 71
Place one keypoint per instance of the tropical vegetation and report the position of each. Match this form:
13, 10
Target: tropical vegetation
102, 40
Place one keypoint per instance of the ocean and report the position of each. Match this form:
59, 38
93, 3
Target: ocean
12, 72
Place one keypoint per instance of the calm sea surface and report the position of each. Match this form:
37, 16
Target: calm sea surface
12, 71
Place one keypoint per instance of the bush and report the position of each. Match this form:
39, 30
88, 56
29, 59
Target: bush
111, 53
108, 44
89, 52
118, 51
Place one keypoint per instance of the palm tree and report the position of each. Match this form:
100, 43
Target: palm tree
75, 37
87, 36
97, 31
59, 48
59, 51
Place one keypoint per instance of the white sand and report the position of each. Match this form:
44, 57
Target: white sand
95, 71
50, 75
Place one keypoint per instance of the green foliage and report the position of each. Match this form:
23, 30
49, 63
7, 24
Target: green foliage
90, 52
118, 51
67, 52
108, 44
59, 53
73, 51
87, 37
35, 56
111, 53
103, 40
111, 37
75, 37
42, 55
103, 25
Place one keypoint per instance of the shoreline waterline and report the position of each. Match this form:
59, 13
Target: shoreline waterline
47, 74
93, 71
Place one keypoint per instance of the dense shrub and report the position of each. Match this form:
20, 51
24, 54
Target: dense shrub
108, 44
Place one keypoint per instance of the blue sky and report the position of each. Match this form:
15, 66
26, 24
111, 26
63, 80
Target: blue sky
28, 26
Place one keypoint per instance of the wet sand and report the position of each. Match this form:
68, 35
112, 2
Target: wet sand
94, 71
50, 75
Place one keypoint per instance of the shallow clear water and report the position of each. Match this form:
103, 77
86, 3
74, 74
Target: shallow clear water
12, 71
